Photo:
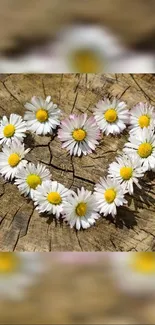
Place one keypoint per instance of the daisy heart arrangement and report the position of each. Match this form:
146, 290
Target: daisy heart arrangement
79, 136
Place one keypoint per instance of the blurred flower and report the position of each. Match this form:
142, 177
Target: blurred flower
134, 272
80, 257
83, 49
17, 272
87, 48
42, 116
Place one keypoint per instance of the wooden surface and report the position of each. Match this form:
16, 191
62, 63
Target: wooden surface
78, 293
21, 228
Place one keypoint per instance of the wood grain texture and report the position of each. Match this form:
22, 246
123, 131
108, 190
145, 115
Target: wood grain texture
21, 228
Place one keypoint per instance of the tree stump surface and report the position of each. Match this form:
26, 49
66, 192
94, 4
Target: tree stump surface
21, 227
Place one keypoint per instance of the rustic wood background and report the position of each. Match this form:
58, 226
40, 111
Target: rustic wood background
77, 293
20, 28
21, 228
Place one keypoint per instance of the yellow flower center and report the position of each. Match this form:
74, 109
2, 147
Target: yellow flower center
145, 150
33, 181
144, 121
8, 263
9, 130
110, 115
143, 262
81, 209
14, 159
110, 195
54, 198
79, 134
86, 61
42, 115
126, 173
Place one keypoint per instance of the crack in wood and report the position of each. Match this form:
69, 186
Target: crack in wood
77, 236
123, 93
14, 97
103, 154
43, 85
76, 96
141, 89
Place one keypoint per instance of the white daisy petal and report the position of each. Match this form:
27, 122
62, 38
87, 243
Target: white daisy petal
79, 134
109, 194
12, 159
50, 197
127, 170
80, 209
12, 129
42, 116
28, 178
142, 115
111, 117
142, 144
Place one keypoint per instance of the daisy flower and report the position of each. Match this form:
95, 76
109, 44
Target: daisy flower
109, 195
12, 129
134, 272
141, 115
79, 134
29, 177
11, 159
42, 116
81, 48
50, 197
17, 272
80, 210
143, 144
127, 169
111, 117
86, 49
